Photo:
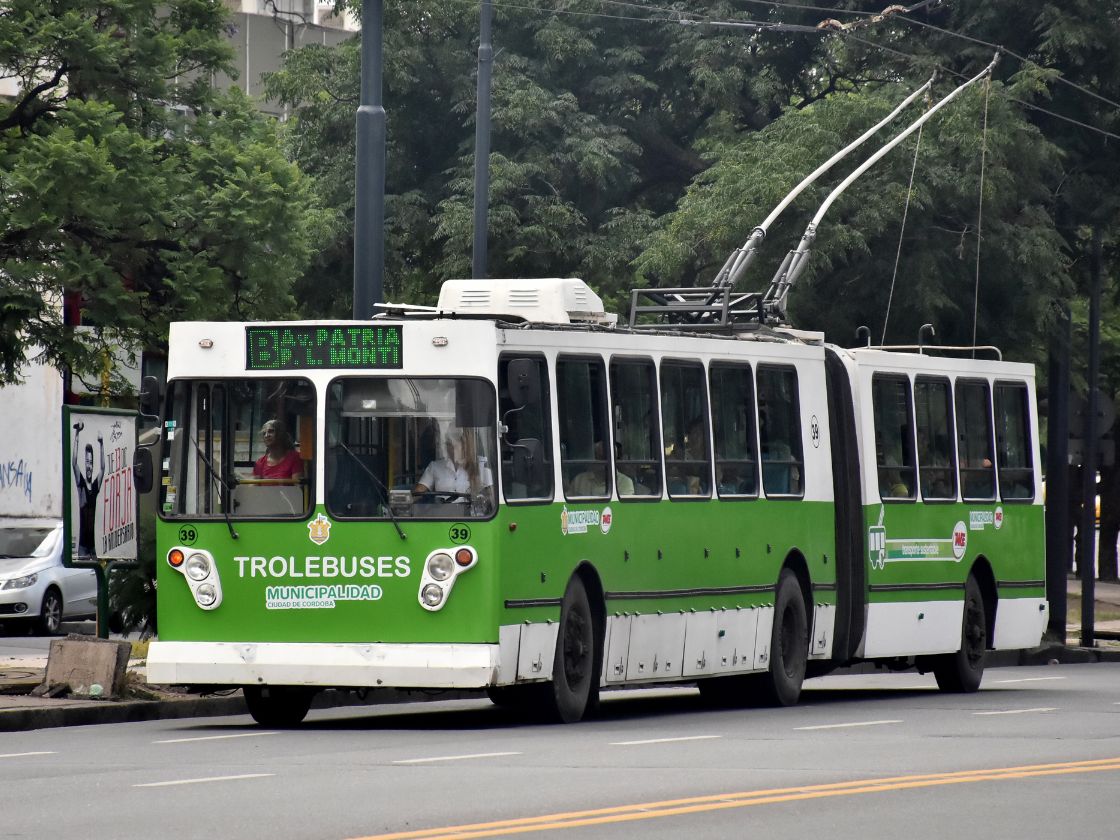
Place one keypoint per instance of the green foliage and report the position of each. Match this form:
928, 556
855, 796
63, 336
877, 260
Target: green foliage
132, 186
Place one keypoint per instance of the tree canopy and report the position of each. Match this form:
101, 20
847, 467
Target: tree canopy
633, 147
131, 188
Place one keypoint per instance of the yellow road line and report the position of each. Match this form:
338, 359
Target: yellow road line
742, 799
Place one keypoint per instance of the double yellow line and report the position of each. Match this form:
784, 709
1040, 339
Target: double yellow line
743, 799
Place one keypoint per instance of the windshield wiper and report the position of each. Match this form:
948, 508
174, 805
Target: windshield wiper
380, 485
222, 485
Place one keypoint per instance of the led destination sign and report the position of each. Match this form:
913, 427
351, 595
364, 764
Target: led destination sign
303, 347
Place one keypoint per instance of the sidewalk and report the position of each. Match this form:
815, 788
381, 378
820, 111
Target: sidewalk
19, 675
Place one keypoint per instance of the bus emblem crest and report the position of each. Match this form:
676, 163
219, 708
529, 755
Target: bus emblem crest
960, 540
319, 529
877, 542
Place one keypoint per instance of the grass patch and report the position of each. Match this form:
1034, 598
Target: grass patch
1103, 612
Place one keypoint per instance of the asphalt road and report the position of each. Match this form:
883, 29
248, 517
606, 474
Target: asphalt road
867, 756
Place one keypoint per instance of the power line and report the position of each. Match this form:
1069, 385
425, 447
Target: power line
769, 26
1021, 58
918, 59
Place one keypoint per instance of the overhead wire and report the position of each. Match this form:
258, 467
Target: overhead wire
775, 26
920, 60
1011, 53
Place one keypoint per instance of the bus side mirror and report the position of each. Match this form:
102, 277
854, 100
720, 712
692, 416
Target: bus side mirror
528, 463
523, 382
142, 472
149, 397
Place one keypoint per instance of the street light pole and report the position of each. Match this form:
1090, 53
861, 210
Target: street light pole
482, 141
369, 170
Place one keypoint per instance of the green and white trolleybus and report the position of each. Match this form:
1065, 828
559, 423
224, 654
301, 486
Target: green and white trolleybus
513, 492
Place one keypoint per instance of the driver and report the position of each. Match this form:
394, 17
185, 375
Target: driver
462, 472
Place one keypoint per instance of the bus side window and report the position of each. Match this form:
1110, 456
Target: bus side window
933, 403
636, 439
526, 445
684, 423
581, 397
779, 426
1013, 448
894, 436
733, 416
974, 440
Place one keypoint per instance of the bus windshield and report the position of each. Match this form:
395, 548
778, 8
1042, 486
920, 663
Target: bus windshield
410, 447
239, 448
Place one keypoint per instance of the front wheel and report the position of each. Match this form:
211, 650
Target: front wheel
278, 706
575, 682
789, 643
961, 672
50, 616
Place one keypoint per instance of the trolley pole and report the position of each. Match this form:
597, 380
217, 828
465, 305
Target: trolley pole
369, 174
1087, 530
482, 141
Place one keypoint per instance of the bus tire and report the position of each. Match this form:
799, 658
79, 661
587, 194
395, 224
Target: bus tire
514, 697
575, 685
278, 706
789, 643
961, 672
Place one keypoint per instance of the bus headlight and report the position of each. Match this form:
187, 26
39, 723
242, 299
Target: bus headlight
201, 574
198, 567
440, 566
441, 569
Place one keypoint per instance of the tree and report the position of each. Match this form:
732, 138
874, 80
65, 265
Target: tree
130, 186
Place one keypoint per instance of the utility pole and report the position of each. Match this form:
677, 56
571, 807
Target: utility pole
1087, 529
369, 174
482, 141
1058, 531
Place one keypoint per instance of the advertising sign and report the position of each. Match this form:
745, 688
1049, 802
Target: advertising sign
98, 448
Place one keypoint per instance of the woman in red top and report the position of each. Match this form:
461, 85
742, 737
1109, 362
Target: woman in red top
279, 460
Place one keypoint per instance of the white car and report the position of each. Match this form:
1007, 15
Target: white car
35, 588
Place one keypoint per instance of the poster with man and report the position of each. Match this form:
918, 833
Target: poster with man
101, 515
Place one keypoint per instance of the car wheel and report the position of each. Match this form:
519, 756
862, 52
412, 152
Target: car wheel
50, 616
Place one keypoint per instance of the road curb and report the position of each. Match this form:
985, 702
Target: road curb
112, 711
21, 719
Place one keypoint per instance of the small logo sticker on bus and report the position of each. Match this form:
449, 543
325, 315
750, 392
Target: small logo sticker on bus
605, 520
998, 518
319, 529
960, 540
579, 521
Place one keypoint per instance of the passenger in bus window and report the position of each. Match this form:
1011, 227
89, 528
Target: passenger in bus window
592, 482
891, 485
690, 477
780, 475
280, 459
461, 473
977, 478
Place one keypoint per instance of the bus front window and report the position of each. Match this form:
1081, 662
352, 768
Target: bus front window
239, 448
410, 448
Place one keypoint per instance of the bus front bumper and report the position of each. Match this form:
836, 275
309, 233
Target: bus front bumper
342, 665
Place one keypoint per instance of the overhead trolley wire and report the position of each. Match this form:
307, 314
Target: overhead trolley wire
1014, 55
677, 18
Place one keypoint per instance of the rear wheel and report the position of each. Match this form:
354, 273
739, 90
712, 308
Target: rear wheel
789, 643
50, 616
575, 683
961, 672
278, 706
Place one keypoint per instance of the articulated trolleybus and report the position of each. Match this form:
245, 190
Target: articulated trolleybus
513, 493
